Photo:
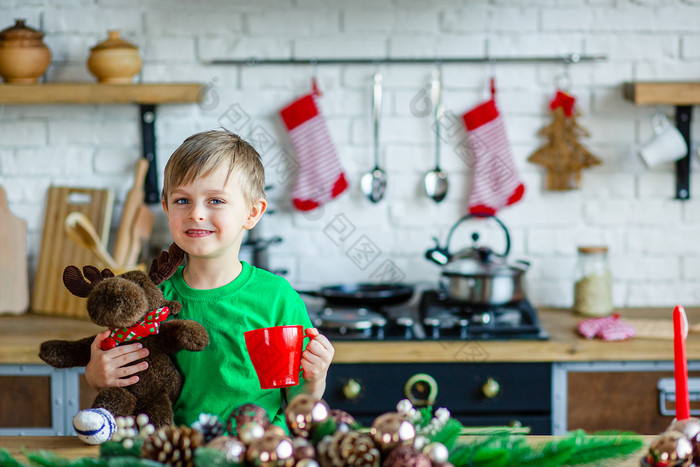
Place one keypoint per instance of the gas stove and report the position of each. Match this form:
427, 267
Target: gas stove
445, 318
429, 315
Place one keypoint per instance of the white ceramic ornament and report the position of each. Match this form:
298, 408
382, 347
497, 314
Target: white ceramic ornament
94, 426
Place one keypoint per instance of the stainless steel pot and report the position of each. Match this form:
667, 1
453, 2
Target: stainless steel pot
476, 274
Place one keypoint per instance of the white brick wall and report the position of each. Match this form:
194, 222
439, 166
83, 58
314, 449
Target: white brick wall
653, 239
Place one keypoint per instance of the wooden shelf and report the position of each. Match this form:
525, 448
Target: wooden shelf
93, 93
671, 93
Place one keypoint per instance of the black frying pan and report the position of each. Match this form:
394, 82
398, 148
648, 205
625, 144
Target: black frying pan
366, 295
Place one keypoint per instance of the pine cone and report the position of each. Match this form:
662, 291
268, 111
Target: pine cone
348, 449
172, 445
209, 426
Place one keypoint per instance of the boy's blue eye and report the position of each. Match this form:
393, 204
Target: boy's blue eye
217, 201
181, 201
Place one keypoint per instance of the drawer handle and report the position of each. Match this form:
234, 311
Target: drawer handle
352, 389
667, 393
421, 389
491, 388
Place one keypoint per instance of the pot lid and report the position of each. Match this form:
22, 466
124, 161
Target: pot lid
20, 32
114, 41
472, 267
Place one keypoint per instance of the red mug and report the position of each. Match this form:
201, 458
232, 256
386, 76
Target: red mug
276, 354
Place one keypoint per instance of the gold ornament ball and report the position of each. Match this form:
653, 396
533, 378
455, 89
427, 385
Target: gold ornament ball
303, 449
250, 432
407, 456
247, 413
304, 412
392, 429
272, 450
233, 448
672, 447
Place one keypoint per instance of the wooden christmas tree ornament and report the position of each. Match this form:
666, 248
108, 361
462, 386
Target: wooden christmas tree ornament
563, 155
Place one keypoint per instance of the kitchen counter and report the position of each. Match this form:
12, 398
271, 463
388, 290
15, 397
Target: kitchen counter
20, 337
71, 447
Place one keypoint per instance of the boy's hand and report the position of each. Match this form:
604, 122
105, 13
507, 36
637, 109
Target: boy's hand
108, 368
317, 357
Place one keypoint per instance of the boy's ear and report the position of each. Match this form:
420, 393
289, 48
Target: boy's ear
255, 213
165, 205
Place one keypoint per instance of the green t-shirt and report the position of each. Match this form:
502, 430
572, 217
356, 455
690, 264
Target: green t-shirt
221, 377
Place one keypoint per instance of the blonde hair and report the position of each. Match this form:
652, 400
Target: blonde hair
202, 153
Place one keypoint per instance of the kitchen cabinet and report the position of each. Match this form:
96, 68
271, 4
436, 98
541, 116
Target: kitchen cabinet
553, 386
598, 396
477, 394
147, 96
40, 400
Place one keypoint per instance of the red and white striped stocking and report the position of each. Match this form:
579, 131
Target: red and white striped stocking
496, 182
320, 177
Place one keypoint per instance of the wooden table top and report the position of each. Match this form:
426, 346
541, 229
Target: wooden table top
70, 447
20, 337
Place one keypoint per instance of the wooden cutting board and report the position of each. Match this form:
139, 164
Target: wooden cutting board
14, 286
657, 328
50, 296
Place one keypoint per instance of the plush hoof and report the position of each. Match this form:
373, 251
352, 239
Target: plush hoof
94, 426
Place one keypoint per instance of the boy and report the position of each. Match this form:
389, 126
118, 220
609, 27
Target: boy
213, 192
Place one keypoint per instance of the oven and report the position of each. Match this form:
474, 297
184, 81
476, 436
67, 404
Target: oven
477, 394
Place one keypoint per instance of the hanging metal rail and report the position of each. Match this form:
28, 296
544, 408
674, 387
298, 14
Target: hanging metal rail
565, 59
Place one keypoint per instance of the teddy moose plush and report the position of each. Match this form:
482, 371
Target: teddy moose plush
134, 308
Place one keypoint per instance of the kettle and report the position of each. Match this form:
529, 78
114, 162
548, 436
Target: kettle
476, 274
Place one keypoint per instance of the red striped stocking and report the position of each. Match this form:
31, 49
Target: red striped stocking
320, 177
496, 182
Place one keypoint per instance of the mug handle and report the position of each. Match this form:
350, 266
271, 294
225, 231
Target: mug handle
307, 336
659, 122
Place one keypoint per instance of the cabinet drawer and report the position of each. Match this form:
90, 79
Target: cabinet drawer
25, 401
523, 387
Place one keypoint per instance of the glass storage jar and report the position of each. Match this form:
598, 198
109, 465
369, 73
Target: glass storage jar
593, 282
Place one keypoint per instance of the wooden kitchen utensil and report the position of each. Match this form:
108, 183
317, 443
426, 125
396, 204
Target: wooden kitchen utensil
14, 288
134, 199
57, 251
140, 235
82, 232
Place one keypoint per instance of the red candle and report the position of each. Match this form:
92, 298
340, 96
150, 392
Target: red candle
680, 331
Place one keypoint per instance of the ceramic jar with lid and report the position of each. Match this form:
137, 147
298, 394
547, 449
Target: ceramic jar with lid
593, 282
23, 55
114, 61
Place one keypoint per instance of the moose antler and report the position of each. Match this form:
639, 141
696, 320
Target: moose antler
166, 264
76, 283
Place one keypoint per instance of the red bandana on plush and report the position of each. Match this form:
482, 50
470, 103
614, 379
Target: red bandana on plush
147, 326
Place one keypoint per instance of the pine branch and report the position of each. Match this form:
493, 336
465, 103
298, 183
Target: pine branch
6, 459
607, 445
449, 433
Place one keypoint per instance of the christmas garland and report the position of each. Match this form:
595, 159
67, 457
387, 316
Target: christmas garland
323, 437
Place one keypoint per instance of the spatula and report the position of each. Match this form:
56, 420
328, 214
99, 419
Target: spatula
140, 234
82, 232
134, 199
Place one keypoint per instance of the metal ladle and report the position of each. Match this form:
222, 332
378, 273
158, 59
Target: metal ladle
373, 183
435, 182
